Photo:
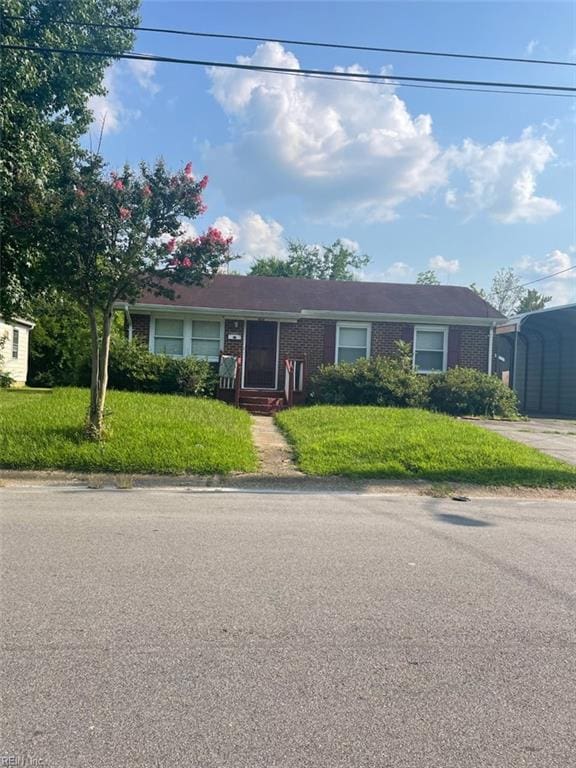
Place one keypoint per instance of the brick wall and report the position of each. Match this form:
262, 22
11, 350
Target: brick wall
308, 339
473, 347
385, 334
141, 328
233, 346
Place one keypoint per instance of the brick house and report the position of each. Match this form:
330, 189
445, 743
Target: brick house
280, 330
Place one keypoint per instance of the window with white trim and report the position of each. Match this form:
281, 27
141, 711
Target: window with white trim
169, 337
15, 343
206, 339
430, 349
352, 342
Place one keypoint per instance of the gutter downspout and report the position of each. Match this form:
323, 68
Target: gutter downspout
491, 348
129, 319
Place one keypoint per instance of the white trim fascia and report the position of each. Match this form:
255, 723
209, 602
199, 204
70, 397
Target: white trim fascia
230, 313
384, 317
319, 314
18, 321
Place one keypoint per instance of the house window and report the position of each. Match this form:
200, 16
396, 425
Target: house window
15, 343
430, 349
169, 337
206, 339
352, 342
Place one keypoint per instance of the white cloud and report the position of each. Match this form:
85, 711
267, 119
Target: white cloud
254, 237
562, 287
353, 149
531, 47
144, 73
352, 245
344, 148
110, 113
451, 266
398, 272
502, 178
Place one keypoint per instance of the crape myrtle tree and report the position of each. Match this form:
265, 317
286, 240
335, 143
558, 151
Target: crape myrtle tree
116, 235
43, 113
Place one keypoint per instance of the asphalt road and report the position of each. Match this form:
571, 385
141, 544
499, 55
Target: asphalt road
176, 628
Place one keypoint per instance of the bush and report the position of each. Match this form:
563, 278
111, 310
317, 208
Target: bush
133, 367
468, 392
5, 379
375, 381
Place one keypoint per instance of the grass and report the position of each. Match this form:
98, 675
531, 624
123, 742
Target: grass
395, 443
164, 434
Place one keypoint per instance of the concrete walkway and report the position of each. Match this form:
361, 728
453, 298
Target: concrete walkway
556, 437
273, 450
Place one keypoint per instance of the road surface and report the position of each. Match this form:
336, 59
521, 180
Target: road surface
224, 630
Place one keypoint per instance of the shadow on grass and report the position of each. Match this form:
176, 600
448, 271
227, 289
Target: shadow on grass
444, 517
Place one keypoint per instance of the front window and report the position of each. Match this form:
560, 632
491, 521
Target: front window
352, 342
206, 338
430, 349
15, 343
169, 337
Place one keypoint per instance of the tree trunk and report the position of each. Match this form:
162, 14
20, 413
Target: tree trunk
93, 428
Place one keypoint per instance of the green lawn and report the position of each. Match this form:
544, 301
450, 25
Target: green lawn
166, 434
365, 441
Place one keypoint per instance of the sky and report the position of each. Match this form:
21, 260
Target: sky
417, 178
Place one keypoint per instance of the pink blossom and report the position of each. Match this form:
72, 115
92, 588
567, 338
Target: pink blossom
118, 184
170, 245
188, 169
125, 213
186, 261
80, 192
203, 182
147, 192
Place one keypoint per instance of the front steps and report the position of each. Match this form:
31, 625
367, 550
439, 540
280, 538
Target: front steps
262, 403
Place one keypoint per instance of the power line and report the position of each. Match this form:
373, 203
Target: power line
308, 43
356, 76
547, 277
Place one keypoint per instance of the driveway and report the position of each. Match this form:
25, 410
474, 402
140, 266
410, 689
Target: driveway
146, 628
557, 437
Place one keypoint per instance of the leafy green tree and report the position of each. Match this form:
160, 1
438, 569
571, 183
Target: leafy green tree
428, 277
113, 237
532, 300
316, 262
44, 112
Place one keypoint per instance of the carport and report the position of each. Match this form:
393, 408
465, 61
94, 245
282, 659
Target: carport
535, 353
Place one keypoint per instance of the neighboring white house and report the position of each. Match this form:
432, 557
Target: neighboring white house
14, 352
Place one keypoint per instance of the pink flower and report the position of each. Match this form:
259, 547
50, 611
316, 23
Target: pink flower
204, 182
147, 192
118, 184
125, 213
80, 192
170, 245
188, 169
186, 261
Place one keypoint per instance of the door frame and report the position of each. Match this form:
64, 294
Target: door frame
262, 320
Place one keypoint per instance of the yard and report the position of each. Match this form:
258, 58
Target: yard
165, 434
365, 441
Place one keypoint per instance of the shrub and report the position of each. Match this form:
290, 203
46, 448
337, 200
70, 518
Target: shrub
375, 381
468, 392
5, 379
134, 368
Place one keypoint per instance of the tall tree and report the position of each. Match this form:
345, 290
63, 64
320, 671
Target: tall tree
532, 300
428, 277
316, 262
112, 237
44, 112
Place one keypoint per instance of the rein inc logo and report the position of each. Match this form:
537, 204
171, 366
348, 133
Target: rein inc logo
21, 760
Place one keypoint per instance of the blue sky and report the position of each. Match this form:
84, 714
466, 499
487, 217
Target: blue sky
466, 182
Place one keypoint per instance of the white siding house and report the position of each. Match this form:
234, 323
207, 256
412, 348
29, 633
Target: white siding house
14, 352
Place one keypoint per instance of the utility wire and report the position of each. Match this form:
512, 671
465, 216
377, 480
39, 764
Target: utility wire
309, 43
356, 76
547, 277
